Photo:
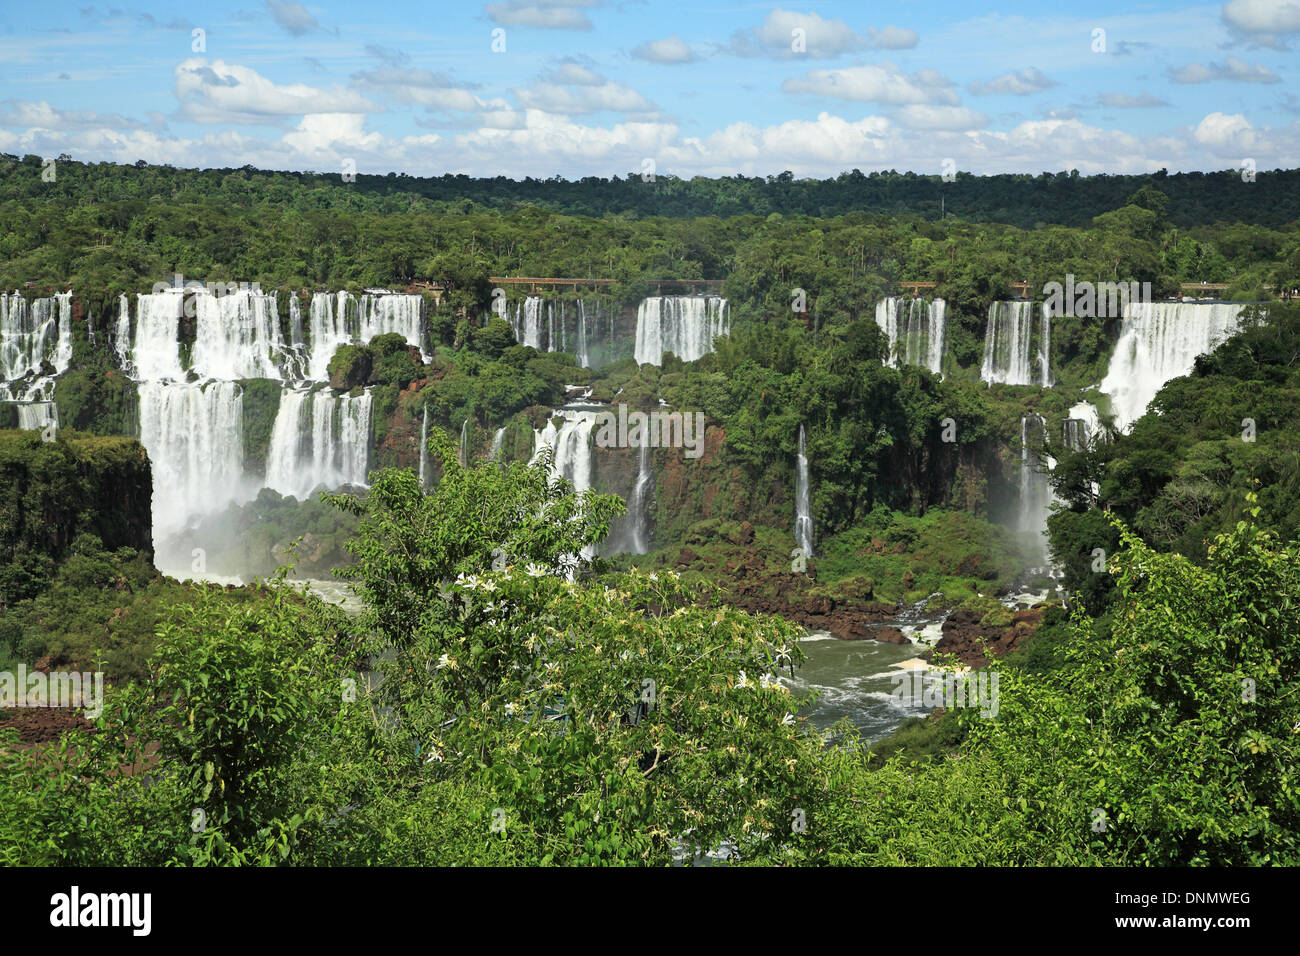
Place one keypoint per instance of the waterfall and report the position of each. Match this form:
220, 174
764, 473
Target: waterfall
155, 353
685, 325
296, 356
35, 338
238, 336
583, 354
574, 452
916, 329
526, 321
635, 537
122, 337
1035, 492
464, 443
1081, 426
34, 333
1159, 341
319, 438
1009, 356
382, 313
34, 416
336, 319
327, 322
498, 439
194, 436
424, 447
803, 523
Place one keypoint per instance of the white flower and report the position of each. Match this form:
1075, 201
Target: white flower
535, 570
743, 682
653, 576
489, 586
446, 660
510, 710
787, 720
435, 755
471, 582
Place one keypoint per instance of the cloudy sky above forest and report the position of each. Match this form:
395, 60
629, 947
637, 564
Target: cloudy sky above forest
583, 87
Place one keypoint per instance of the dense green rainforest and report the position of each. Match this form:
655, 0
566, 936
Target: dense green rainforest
493, 703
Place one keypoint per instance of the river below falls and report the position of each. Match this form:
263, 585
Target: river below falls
853, 680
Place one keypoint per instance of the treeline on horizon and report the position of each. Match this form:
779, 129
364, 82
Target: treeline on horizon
1019, 199
107, 229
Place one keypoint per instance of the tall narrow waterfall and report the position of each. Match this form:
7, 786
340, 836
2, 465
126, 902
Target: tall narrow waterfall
1159, 341
319, 438
194, 436
1035, 491
685, 325
498, 439
803, 523
1016, 348
638, 506
916, 328
583, 353
424, 448
238, 336
464, 443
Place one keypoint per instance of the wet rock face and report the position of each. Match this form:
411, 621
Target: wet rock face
963, 633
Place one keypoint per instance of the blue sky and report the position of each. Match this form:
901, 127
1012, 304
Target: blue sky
591, 88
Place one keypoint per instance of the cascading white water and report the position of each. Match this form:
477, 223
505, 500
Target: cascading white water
122, 336
498, 439
1159, 341
1035, 491
238, 336
574, 451
916, 329
33, 336
684, 325
34, 333
319, 438
1082, 425
424, 446
1009, 354
389, 312
327, 322
464, 443
155, 350
527, 321
638, 506
34, 416
194, 436
803, 523
583, 354
297, 360
336, 319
